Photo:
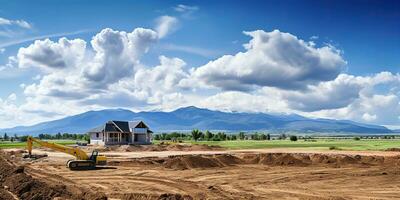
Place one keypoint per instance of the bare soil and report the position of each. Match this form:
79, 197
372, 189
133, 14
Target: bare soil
155, 147
229, 175
17, 184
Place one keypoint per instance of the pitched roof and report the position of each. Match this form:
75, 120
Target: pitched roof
117, 126
134, 124
122, 125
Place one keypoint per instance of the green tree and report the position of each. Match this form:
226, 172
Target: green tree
157, 137
5, 137
221, 136
233, 137
86, 138
208, 135
293, 138
241, 135
196, 134
282, 136
23, 138
263, 136
268, 136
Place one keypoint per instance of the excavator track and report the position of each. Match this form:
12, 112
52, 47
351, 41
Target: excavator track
81, 164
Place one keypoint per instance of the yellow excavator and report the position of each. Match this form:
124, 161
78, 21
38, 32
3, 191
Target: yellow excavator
81, 162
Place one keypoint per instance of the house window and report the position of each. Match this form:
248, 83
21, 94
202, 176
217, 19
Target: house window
97, 135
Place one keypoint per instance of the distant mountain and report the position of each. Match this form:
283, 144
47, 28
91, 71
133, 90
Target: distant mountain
189, 118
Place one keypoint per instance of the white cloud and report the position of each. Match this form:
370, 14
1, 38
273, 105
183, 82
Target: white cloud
367, 117
165, 25
2, 50
277, 73
51, 55
273, 59
20, 23
185, 8
326, 95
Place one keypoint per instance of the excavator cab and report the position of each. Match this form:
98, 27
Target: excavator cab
94, 155
98, 159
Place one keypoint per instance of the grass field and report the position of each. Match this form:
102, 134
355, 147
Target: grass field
8, 145
342, 144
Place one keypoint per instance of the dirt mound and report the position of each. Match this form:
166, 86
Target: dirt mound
227, 159
5, 195
393, 149
189, 162
285, 159
143, 196
156, 147
174, 197
17, 152
24, 186
183, 162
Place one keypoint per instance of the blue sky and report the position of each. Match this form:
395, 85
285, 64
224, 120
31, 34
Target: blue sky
364, 34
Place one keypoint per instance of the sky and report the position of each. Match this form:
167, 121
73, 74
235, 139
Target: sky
320, 59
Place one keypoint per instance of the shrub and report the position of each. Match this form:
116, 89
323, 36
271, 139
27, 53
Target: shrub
334, 148
356, 138
293, 138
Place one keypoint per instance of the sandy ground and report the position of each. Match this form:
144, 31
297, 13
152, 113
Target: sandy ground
373, 180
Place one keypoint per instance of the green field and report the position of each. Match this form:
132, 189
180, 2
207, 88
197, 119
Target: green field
8, 145
319, 144
343, 144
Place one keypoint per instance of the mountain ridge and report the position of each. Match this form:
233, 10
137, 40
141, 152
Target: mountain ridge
187, 118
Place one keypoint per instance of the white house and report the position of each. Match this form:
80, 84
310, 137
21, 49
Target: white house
121, 132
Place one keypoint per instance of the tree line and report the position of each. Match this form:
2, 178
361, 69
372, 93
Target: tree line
210, 136
58, 136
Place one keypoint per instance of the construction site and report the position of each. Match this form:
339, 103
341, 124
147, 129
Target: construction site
179, 171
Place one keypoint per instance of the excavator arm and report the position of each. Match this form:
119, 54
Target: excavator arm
82, 160
76, 152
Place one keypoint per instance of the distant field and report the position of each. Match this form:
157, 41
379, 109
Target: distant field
8, 145
343, 144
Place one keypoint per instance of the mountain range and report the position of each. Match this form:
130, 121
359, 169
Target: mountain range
188, 118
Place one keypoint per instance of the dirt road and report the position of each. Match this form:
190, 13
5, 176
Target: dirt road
250, 174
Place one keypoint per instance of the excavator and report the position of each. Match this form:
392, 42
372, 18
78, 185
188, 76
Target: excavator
81, 162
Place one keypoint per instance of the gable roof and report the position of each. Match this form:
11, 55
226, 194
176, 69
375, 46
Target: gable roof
119, 126
135, 124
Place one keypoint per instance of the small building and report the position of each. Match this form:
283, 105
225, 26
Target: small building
121, 132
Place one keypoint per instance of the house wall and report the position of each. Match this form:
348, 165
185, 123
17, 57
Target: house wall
140, 136
140, 130
117, 138
96, 140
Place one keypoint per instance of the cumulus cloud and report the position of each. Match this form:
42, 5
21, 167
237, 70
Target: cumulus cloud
374, 99
276, 73
326, 95
52, 55
165, 25
116, 53
273, 59
76, 71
